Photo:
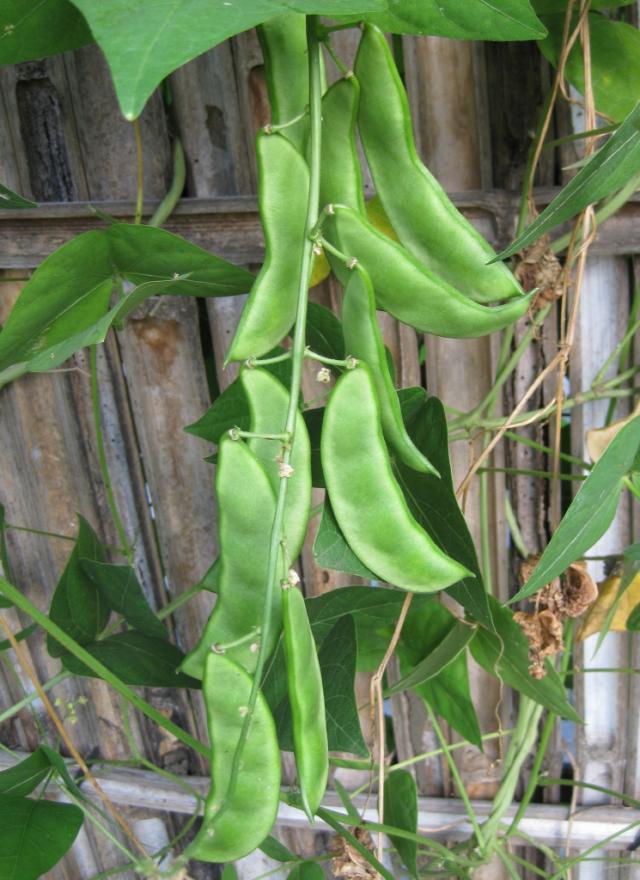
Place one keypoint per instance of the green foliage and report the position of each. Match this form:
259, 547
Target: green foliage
9, 199
34, 835
401, 811
617, 162
29, 31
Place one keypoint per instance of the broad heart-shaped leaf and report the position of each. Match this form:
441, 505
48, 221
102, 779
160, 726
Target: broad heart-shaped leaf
8, 198
371, 608
324, 332
401, 811
230, 409
456, 641
64, 306
121, 590
136, 658
330, 549
433, 502
77, 606
471, 20
21, 779
615, 62
337, 653
30, 30
590, 513
307, 871
505, 653
448, 693
606, 172
34, 835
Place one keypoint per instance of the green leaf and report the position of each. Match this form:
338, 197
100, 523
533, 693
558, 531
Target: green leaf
5, 644
606, 172
135, 658
448, 694
34, 835
330, 549
633, 620
371, 608
230, 409
229, 873
21, 779
452, 646
313, 421
121, 591
64, 306
337, 652
546, 7
324, 332
30, 30
401, 811
471, 20
4, 556
307, 871
347, 802
590, 513
505, 653
276, 850
8, 198
615, 62
77, 606
433, 503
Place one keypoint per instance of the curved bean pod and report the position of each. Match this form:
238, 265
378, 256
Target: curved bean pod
283, 40
236, 822
270, 311
366, 498
363, 340
268, 402
307, 701
425, 218
408, 290
341, 175
247, 506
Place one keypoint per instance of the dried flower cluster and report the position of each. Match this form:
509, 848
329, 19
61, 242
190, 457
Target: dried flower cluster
569, 596
348, 862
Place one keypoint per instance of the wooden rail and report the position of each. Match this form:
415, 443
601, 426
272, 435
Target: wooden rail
230, 226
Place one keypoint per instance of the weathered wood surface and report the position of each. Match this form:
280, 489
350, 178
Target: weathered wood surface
62, 141
230, 226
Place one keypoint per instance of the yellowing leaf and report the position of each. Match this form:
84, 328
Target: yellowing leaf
320, 268
607, 593
377, 216
599, 438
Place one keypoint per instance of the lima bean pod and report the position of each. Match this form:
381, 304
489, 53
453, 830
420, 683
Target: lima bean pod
366, 499
283, 40
270, 311
268, 402
408, 290
340, 171
306, 697
363, 341
247, 506
424, 217
237, 821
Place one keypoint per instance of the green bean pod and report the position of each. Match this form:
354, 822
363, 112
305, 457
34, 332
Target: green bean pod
283, 40
247, 506
340, 171
363, 340
237, 821
307, 701
408, 290
366, 499
270, 311
424, 217
268, 403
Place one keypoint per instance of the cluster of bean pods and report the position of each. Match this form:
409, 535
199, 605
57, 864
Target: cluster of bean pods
435, 276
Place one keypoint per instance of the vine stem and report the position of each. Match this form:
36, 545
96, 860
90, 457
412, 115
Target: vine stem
139, 171
75, 754
100, 670
297, 361
102, 455
377, 709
